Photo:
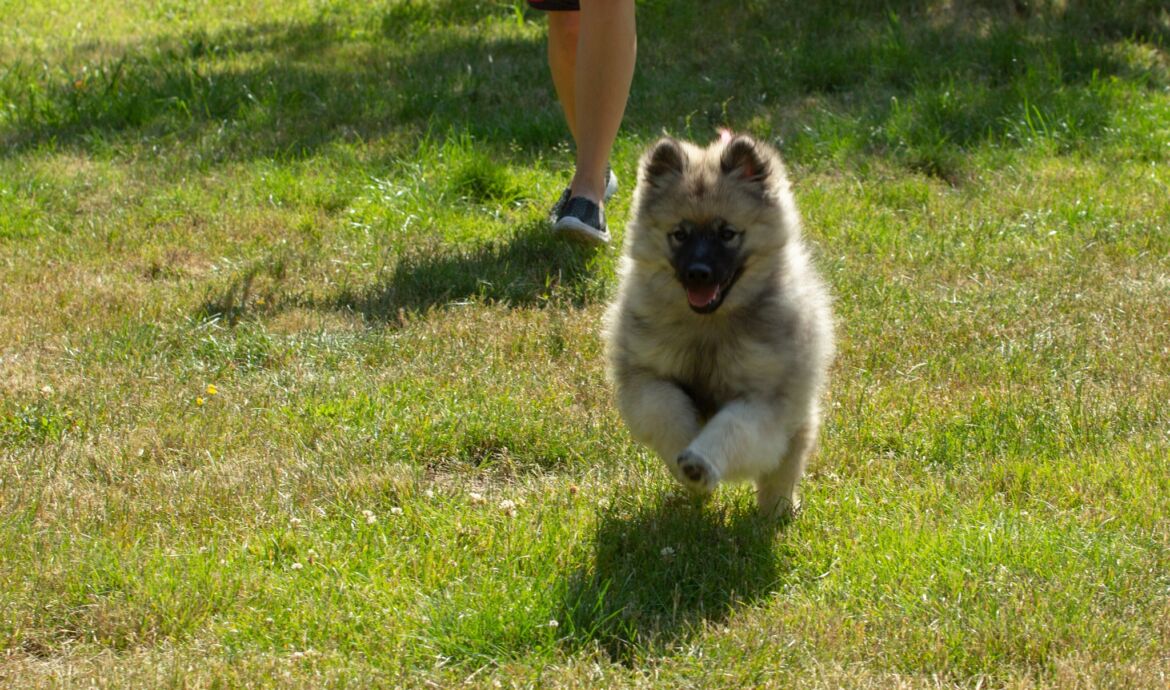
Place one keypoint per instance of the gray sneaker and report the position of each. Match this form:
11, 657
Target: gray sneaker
611, 186
611, 183
582, 220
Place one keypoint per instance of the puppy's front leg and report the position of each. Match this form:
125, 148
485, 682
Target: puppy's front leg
776, 490
659, 414
744, 439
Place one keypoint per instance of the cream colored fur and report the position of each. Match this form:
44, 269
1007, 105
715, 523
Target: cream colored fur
758, 365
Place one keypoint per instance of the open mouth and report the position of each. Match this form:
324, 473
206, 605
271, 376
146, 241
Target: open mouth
706, 298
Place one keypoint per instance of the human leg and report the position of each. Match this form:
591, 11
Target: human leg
563, 31
606, 50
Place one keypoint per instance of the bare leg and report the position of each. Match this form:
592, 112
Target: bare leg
563, 29
606, 49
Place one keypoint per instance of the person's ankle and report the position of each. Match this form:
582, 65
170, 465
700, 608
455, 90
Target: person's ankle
590, 189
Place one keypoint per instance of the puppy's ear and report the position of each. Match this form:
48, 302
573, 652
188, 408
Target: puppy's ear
663, 164
745, 161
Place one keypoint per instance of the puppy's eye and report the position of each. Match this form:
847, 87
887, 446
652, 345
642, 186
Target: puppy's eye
679, 234
727, 233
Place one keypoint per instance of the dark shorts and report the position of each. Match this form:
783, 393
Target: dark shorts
555, 5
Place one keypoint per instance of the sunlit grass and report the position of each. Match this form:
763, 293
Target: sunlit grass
297, 389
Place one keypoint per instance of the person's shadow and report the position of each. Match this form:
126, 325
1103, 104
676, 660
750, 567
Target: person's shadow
530, 268
661, 571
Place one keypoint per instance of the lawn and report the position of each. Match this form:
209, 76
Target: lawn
296, 388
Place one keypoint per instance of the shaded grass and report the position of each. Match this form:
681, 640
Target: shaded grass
914, 78
661, 571
532, 268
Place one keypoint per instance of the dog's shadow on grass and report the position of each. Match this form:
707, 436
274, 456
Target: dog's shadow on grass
529, 268
658, 574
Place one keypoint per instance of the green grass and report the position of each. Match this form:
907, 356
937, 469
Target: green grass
411, 471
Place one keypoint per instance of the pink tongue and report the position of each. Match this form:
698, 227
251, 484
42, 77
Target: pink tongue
702, 296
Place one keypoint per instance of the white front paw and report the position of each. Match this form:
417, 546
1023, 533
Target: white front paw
696, 472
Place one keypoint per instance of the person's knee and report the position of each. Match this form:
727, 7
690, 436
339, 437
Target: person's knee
562, 39
607, 6
565, 26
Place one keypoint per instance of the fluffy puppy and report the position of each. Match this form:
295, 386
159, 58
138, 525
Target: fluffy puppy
720, 338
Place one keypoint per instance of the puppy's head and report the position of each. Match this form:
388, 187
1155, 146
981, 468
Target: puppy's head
715, 218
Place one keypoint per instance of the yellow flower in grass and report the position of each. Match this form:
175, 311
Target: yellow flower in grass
211, 389
199, 401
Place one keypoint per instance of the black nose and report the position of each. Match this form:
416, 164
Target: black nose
699, 273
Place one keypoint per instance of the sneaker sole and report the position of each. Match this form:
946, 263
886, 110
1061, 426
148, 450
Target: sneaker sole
574, 229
